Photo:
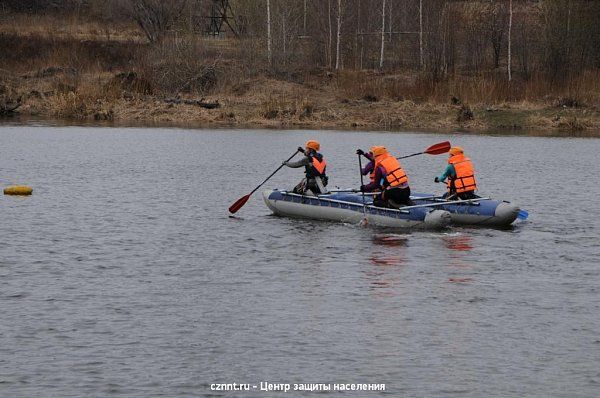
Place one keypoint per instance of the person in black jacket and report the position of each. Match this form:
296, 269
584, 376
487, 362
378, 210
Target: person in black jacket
314, 164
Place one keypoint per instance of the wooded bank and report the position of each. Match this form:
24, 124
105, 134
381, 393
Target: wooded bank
505, 64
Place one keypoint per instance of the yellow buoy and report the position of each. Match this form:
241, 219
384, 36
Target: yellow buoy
18, 190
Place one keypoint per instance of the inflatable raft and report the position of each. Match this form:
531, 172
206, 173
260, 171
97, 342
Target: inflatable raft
348, 207
482, 211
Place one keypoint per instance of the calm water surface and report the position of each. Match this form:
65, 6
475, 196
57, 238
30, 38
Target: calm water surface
124, 276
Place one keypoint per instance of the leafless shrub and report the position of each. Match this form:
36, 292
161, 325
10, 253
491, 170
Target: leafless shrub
307, 109
285, 107
55, 70
464, 114
9, 100
70, 105
155, 17
571, 124
129, 82
51, 56
278, 107
176, 67
64, 84
269, 109
567, 102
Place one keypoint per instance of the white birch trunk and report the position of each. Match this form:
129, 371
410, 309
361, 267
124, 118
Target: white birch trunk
421, 63
339, 34
382, 34
330, 35
510, 16
356, 57
269, 53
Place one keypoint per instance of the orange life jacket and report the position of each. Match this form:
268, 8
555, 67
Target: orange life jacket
394, 173
465, 174
317, 165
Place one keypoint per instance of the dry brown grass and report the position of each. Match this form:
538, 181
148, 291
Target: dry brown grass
284, 107
70, 106
27, 54
69, 26
583, 89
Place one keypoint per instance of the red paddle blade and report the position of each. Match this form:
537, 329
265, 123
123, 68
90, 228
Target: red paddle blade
238, 204
437, 149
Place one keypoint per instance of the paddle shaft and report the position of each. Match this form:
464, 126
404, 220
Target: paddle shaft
272, 174
408, 156
242, 201
436, 149
375, 193
361, 184
452, 202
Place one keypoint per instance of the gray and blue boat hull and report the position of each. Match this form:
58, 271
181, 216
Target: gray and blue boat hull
349, 208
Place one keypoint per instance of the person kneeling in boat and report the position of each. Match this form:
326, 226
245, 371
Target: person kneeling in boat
460, 174
369, 167
389, 177
314, 168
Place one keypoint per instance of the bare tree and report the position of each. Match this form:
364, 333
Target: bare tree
510, 18
304, 18
330, 34
421, 62
269, 41
391, 24
495, 21
382, 33
339, 35
155, 17
288, 14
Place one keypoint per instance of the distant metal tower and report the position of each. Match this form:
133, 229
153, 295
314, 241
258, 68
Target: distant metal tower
220, 14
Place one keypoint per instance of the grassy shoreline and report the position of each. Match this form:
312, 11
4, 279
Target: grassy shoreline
271, 103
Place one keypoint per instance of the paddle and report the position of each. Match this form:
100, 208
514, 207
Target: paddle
436, 149
242, 201
523, 214
364, 220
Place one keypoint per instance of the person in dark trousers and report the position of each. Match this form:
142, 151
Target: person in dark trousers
388, 177
315, 165
460, 174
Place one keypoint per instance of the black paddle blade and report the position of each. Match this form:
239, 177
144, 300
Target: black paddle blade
238, 204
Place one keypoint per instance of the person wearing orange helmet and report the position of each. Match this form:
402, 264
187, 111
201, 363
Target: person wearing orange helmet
387, 176
314, 165
460, 174
369, 167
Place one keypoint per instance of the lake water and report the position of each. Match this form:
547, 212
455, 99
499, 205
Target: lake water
123, 274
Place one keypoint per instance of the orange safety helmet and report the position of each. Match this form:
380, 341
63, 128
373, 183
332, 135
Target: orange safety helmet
455, 150
378, 150
312, 144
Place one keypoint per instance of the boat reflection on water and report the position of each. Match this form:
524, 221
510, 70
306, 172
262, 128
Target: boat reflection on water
461, 243
390, 239
460, 246
382, 277
389, 256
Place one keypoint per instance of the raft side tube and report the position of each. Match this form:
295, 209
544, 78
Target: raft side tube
330, 209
